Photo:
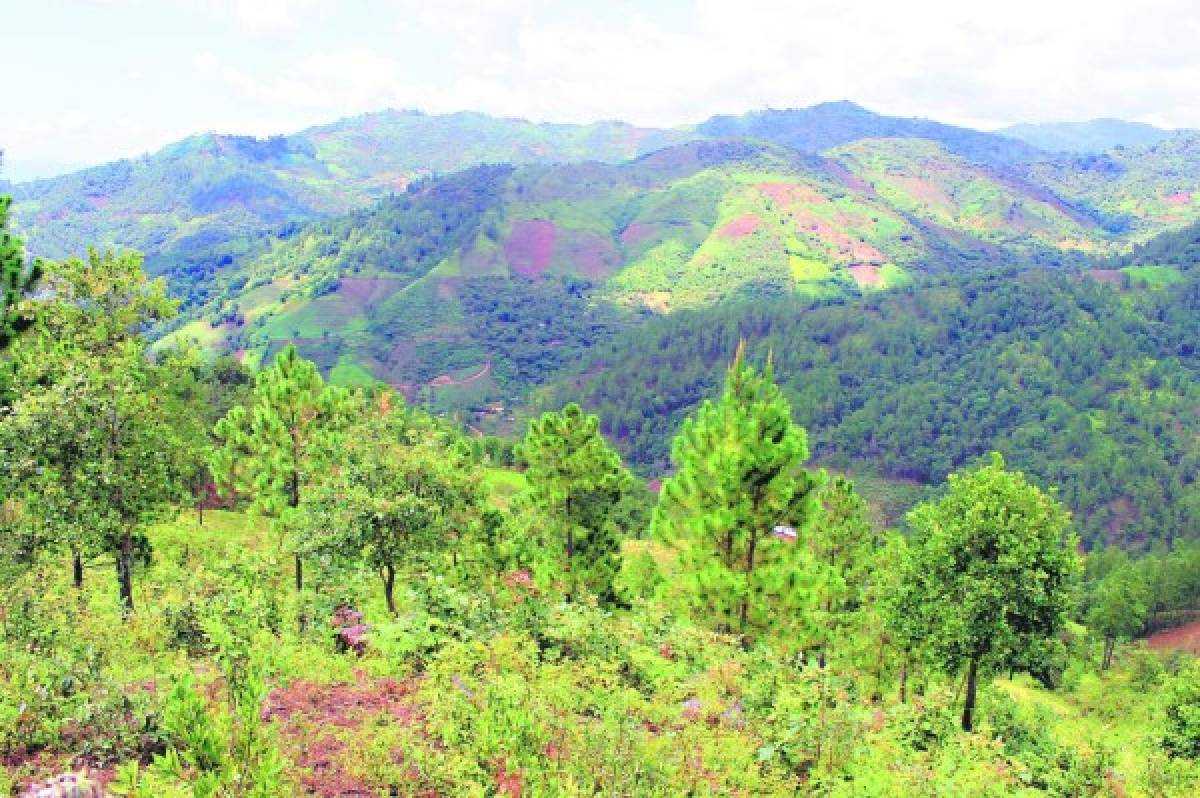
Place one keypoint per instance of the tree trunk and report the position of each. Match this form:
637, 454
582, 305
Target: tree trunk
904, 678
200, 511
389, 584
299, 573
749, 573
969, 703
125, 570
77, 569
1109, 645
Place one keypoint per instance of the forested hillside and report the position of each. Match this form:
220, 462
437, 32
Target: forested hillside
1081, 384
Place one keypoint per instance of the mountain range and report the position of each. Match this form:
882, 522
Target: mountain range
494, 266
378, 241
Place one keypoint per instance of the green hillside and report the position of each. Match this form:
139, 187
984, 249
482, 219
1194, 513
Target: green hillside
1137, 192
1084, 386
524, 268
832, 124
211, 188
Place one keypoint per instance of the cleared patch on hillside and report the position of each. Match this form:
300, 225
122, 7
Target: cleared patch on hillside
530, 246
743, 225
866, 275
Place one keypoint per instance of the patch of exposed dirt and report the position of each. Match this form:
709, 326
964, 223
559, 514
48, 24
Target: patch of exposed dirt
593, 256
1180, 638
367, 290
866, 275
637, 232
742, 226
1108, 276
530, 246
792, 194
317, 723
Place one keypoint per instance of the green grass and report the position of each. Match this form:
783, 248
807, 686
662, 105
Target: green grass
351, 374
1153, 276
502, 485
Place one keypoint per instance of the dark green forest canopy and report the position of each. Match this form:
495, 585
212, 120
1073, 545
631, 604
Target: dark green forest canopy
1075, 382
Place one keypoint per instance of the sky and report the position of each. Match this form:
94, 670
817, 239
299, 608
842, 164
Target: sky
87, 81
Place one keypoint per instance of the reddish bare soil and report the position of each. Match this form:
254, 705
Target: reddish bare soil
866, 274
1181, 638
743, 225
367, 290
529, 247
791, 193
594, 256
317, 724
845, 248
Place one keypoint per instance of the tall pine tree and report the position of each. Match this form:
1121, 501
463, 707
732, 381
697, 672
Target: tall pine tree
578, 480
737, 507
844, 542
273, 448
16, 279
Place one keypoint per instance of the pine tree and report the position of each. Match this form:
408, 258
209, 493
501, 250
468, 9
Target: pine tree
16, 279
844, 542
738, 506
578, 480
272, 448
993, 571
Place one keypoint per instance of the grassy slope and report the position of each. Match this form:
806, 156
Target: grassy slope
620, 689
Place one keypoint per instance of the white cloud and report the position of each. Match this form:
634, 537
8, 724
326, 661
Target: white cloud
269, 16
278, 65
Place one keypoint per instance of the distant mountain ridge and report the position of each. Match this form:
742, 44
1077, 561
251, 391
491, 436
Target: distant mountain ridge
821, 127
214, 187
1094, 136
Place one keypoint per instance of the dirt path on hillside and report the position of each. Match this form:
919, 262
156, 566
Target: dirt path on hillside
446, 381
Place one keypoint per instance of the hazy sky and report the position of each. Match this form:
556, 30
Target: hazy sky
92, 80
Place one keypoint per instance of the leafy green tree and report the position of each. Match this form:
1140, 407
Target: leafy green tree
94, 433
993, 573
738, 506
578, 481
273, 448
1120, 604
401, 492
